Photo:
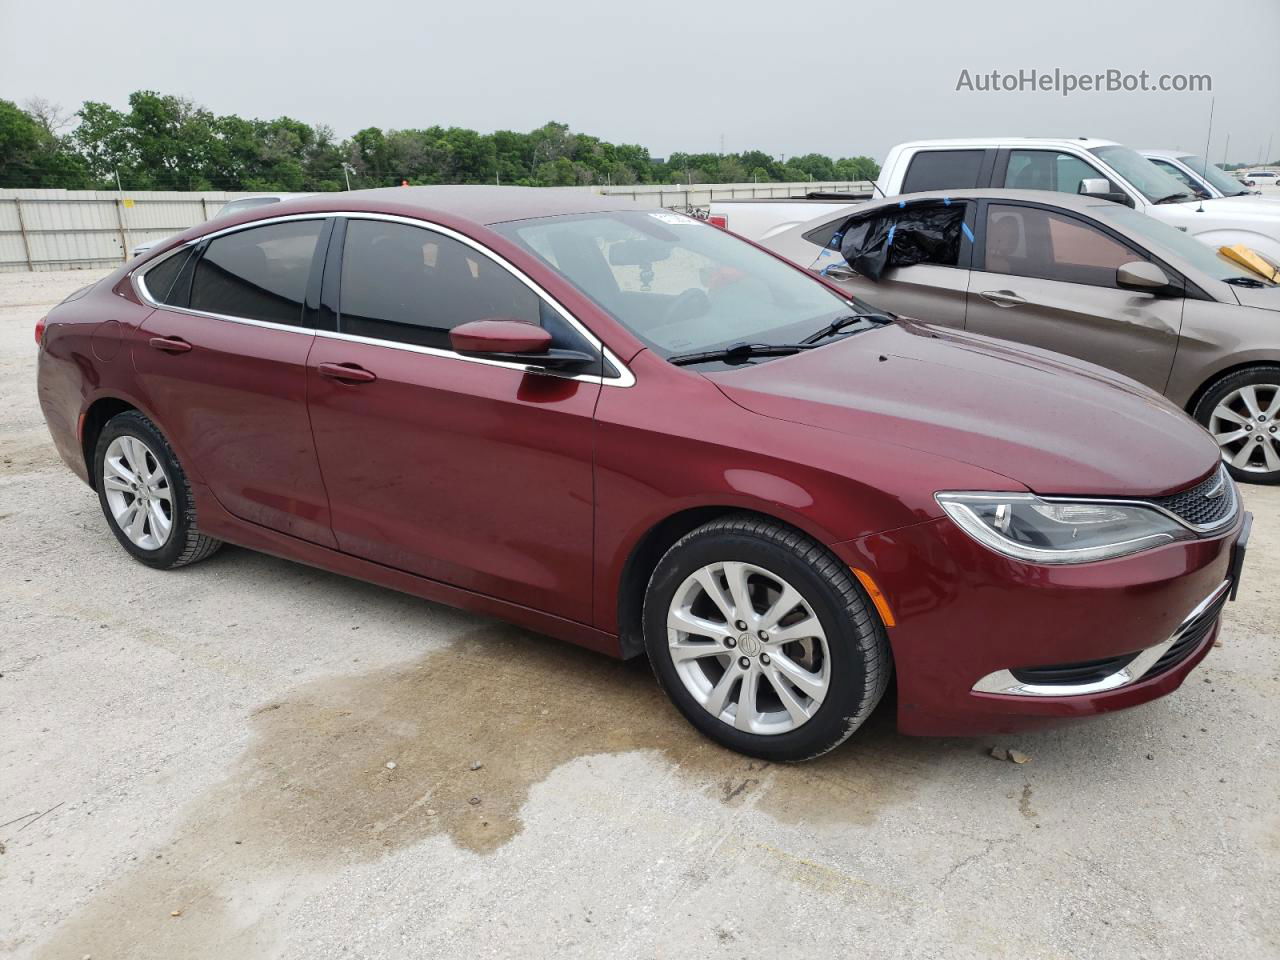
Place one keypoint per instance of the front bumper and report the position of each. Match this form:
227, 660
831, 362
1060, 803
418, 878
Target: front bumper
970, 621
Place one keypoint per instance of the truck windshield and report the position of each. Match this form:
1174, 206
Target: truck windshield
1228, 185
678, 284
1146, 177
1161, 237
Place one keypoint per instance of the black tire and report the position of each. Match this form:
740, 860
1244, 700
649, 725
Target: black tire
185, 544
1266, 377
860, 664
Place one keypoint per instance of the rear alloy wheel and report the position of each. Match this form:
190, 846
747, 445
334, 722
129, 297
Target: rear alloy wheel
1242, 412
764, 640
145, 495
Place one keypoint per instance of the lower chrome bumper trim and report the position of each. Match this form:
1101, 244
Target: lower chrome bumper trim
1003, 681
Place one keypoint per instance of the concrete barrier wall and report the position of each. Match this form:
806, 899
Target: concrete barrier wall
92, 229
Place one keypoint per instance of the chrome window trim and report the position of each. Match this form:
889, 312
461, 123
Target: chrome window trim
625, 377
1003, 681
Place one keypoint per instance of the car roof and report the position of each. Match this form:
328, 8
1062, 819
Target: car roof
1167, 154
476, 203
991, 142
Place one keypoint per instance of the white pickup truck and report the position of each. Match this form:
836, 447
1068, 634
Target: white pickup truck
1099, 168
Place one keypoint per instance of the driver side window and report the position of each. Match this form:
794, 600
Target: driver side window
1048, 170
411, 285
1031, 242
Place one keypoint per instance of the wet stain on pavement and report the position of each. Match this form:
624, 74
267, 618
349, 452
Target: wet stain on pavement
345, 770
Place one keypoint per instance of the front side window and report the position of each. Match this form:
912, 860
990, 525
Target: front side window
1030, 242
1048, 170
678, 284
258, 274
412, 285
943, 170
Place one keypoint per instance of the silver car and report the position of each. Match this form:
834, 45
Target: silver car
1080, 276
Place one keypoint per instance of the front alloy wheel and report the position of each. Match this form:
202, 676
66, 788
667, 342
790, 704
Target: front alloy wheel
748, 648
763, 639
1246, 424
1242, 412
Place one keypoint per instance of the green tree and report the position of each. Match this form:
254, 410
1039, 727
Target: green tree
33, 155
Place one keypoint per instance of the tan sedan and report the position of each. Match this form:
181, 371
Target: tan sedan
1080, 276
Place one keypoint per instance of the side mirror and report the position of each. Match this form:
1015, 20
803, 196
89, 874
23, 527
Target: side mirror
1100, 187
514, 341
1142, 277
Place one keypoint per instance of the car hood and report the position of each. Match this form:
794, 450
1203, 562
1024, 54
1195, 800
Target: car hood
1262, 298
1256, 210
1054, 424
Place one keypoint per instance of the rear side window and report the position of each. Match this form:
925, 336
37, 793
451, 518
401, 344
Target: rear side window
1030, 242
412, 285
943, 170
259, 274
159, 280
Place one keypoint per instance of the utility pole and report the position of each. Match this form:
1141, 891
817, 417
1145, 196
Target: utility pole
1224, 150
1267, 158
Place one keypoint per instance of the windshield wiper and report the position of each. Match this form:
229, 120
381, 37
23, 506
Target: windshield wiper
839, 323
1247, 282
740, 351
1180, 195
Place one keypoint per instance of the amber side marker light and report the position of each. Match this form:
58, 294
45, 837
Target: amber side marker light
881, 604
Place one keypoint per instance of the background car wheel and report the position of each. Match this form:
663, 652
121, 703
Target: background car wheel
1242, 411
145, 495
763, 639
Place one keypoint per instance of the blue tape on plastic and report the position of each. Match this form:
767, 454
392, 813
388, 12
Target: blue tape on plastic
835, 240
901, 204
824, 253
891, 232
946, 201
967, 232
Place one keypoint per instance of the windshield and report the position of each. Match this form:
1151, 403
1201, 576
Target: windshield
1227, 184
1163, 237
1145, 176
678, 284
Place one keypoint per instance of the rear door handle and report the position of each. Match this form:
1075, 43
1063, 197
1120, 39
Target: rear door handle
170, 344
346, 372
1002, 298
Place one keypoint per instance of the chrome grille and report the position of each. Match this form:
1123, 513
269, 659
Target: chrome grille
1197, 507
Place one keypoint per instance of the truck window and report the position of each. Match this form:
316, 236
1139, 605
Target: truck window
1048, 170
943, 170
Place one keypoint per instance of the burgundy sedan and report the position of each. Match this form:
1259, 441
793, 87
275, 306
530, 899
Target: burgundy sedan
627, 429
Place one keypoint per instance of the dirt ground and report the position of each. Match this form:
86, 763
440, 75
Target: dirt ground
251, 759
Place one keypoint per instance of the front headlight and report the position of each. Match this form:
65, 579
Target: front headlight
1025, 527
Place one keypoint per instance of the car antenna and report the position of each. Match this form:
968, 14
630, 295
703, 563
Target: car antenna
1208, 137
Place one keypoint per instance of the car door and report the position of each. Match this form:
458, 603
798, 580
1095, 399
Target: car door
1045, 277
473, 473
223, 366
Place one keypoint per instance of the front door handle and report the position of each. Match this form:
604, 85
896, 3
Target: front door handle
1002, 298
170, 344
346, 372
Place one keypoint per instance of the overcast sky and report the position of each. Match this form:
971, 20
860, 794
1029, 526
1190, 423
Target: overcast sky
837, 78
